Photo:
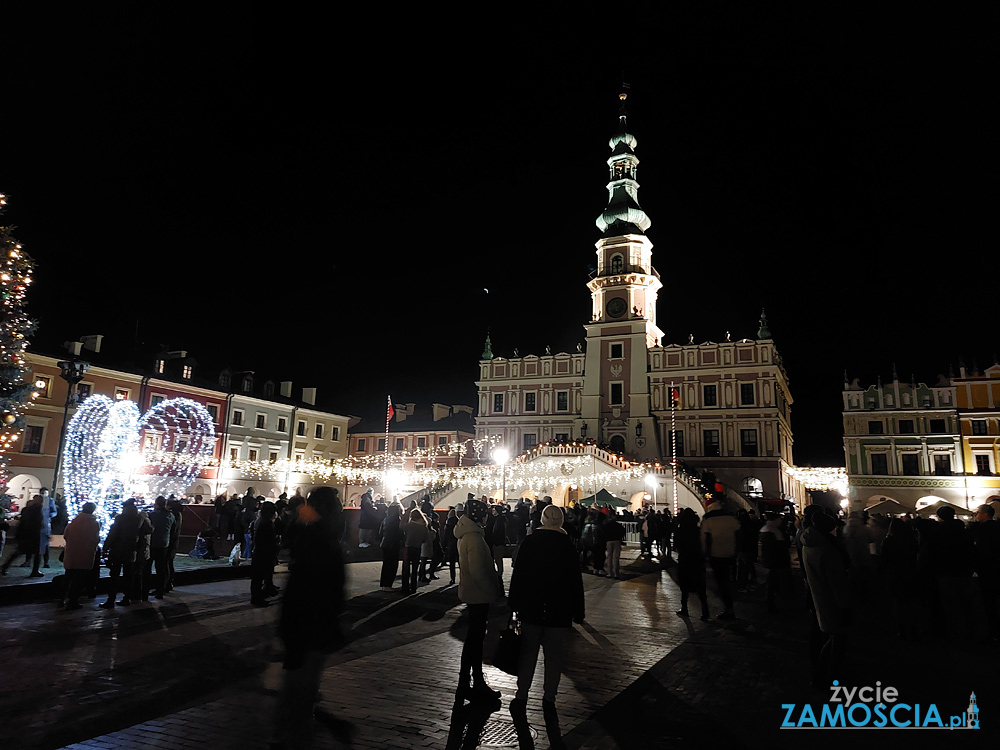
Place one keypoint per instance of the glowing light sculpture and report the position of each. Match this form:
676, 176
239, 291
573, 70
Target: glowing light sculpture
103, 463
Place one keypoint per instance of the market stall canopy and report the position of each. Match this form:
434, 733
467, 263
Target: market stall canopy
932, 509
603, 497
888, 508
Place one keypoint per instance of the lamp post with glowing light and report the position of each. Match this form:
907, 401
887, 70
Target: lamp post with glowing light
72, 371
651, 482
500, 456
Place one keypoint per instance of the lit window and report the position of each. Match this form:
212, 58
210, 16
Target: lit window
186, 372
122, 394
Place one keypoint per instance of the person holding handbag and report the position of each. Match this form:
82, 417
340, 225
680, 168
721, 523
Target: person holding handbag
478, 588
546, 592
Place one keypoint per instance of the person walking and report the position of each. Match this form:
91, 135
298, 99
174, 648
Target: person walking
309, 622
546, 592
83, 536
478, 588
718, 535
826, 573
28, 537
690, 562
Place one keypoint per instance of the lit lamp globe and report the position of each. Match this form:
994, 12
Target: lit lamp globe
500, 455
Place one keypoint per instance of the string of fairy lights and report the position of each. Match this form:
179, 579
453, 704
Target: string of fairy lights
104, 461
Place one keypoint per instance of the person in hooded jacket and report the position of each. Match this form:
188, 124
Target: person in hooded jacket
546, 591
478, 588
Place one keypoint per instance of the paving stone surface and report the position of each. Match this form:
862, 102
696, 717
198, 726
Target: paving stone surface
202, 669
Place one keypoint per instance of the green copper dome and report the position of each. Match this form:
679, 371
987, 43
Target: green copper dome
623, 215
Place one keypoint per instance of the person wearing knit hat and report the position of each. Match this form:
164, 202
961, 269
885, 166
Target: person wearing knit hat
546, 592
552, 519
478, 588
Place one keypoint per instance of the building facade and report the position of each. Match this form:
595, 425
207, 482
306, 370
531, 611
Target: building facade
918, 444
262, 433
423, 441
732, 414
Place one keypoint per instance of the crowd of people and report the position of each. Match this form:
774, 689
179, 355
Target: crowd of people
941, 575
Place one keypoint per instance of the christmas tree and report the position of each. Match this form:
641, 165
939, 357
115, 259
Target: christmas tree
15, 328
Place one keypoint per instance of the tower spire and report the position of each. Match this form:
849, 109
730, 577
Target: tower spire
623, 214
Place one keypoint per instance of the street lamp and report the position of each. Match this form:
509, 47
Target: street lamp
500, 456
651, 482
72, 371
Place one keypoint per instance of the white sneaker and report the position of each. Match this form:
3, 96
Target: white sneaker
364, 544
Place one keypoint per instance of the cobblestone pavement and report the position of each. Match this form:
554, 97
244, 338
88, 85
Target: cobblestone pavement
201, 669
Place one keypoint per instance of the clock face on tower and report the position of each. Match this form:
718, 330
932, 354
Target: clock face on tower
615, 307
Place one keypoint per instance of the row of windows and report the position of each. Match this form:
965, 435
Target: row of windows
710, 395
531, 401
399, 444
908, 427
301, 427
710, 443
909, 464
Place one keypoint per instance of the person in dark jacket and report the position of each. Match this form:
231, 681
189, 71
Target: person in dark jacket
898, 562
309, 622
450, 543
690, 562
546, 592
368, 521
120, 546
176, 507
614, 538
265, 547
28, 536
163, 524
391, 537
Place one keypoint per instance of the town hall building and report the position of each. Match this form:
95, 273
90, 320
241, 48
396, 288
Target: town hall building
718, 406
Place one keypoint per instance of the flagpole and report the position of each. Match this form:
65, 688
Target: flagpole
673, 439
385, 461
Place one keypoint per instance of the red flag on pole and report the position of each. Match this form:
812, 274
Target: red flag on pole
389, 412
675, 397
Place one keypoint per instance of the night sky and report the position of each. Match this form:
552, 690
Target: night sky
325, 199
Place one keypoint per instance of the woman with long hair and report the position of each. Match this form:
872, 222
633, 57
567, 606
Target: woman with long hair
414, 529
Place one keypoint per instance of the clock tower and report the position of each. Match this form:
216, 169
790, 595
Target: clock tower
616, 408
